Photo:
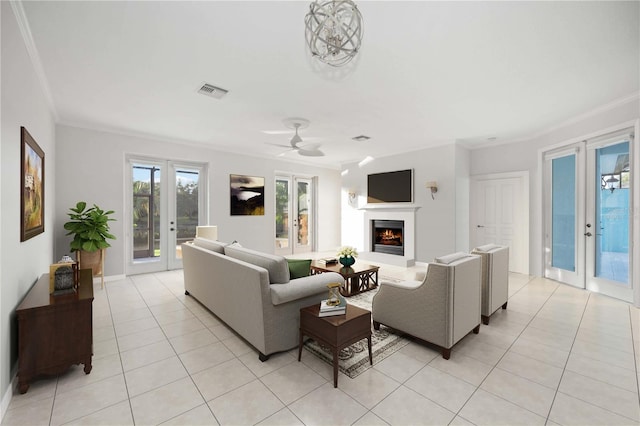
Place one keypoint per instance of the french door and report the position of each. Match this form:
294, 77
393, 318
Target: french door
295, 215
166, 200
587, 216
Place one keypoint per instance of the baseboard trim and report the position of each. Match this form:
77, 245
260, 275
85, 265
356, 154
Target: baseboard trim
6, 398
108, 278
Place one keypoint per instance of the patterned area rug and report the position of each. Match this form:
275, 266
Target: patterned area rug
354, 359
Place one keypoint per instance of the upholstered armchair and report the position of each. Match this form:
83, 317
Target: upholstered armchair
495, 278
441, 309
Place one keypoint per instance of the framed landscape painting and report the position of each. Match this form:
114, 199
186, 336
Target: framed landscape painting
31, 187
247, 195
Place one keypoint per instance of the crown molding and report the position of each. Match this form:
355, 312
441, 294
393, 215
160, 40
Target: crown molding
27, 37
635, 96
183, 142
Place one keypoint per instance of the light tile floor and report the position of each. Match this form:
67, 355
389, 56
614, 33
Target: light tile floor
557, 355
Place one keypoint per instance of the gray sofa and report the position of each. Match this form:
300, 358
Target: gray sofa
251, 292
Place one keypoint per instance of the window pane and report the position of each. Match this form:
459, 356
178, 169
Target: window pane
282, 213
563, 204
186, 207
146, 214
612, 213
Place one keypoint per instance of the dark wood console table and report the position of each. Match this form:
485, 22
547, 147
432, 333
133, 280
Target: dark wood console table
54, 332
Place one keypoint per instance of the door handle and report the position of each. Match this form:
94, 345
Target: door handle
479, 226
171, 229
588, 234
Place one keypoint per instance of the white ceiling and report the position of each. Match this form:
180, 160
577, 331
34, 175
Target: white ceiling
428, 73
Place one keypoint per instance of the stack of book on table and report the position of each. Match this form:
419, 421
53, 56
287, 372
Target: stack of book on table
328, 310
327, 261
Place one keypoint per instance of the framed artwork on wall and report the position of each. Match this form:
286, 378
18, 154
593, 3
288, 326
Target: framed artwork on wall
31, 187
247, 195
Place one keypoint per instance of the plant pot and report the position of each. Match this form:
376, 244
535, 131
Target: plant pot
91, 260
347, 261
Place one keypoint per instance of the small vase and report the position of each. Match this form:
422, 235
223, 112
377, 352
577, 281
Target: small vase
347, 261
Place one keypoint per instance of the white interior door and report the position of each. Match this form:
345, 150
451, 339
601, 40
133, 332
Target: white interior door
500, 215
165, 201
588, 225
295, 214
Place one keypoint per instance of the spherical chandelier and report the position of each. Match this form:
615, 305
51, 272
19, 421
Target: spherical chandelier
333, 30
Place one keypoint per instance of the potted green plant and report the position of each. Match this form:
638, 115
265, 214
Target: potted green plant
90, 230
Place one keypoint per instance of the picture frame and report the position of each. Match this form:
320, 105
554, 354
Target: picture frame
31, 187
246, 195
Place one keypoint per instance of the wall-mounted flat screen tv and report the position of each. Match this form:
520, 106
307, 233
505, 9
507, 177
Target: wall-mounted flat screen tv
390, 187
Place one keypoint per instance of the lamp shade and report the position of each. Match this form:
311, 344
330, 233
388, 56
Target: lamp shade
208, 232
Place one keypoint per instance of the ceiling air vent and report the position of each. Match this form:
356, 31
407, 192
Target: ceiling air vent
361, 138
213, 91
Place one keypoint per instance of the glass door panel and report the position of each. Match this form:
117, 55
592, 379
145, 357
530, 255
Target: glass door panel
283, 207
608, 247
187, 210
564, 243
563, 213
304, 219
294, 215
146, 211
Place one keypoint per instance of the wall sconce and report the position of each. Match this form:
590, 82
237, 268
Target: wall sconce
353, 196
433, 186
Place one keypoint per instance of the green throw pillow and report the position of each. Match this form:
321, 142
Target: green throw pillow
299, 268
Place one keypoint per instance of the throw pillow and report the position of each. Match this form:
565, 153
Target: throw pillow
299, 268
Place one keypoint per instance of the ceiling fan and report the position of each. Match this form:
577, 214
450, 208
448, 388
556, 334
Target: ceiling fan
297, 143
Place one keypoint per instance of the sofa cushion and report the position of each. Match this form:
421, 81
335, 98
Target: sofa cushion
299, 268
211, 245
450, 258
276, 265
487, 247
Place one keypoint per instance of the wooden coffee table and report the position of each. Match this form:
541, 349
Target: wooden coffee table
358, 277
337, 332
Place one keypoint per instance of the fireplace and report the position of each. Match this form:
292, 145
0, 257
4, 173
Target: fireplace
387, 236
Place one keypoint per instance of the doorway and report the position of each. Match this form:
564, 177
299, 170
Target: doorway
295, 214
166, 200
500, 215
588, 225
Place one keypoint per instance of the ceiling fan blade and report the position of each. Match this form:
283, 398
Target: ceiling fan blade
277, 132
310, 146
278, 144
311, 152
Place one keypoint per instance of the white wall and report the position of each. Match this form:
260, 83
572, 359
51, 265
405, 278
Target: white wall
463, 183
22, 104
440, 223
91, 167
524, 156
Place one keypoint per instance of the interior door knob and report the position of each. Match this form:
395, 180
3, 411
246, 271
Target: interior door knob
588, 234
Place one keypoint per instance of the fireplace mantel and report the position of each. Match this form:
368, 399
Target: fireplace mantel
400, 212
395, 207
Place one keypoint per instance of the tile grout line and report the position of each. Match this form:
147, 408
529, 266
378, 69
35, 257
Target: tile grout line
178, 355
564, 369
496, 364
